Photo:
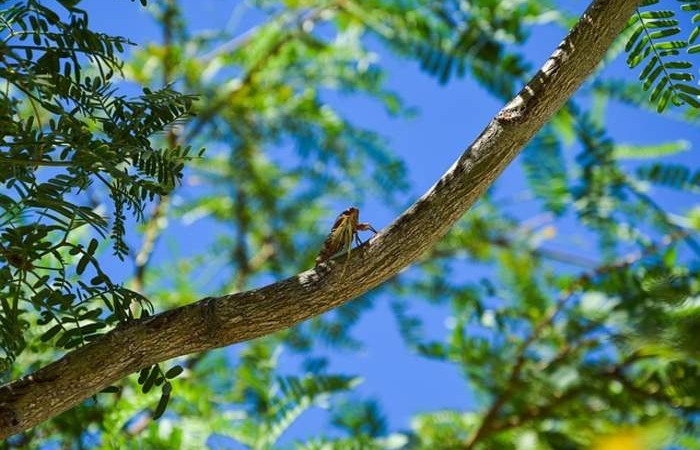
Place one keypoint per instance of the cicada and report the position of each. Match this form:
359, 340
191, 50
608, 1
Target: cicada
344, 231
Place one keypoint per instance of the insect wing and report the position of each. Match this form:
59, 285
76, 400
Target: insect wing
335, 241
342, 234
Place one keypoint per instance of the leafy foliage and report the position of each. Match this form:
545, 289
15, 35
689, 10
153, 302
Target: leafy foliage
671, 175
670, 76
154, 376
449, 38
69, 133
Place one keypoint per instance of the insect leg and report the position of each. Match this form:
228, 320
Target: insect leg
358, 241
363, 227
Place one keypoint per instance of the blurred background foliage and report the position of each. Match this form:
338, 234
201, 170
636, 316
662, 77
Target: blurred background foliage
562, 350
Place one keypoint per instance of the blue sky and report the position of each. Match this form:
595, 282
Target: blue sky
449, 118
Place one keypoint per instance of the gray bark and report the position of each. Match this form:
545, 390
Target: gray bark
217, 322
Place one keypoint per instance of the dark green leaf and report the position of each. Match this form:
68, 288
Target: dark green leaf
51, 332
92, 247
163, 402
111, 390
82, 264
150, 381
173, 372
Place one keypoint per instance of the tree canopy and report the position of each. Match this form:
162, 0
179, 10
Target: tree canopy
109, 146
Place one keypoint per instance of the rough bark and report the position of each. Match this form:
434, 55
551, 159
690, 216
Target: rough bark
220, 321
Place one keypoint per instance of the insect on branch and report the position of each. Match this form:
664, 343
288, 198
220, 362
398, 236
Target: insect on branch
344, 231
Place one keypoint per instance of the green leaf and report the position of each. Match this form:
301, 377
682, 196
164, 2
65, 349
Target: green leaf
51, 332
92, 247
82, 264
652, 77
143, 374
151, 380
663, 101
633, 37
111, 390
173, 372
688, 89
638, 53
664, 33
41, 281
163, 402
93, 314
629, 151
658, 90
647, 69
691, 100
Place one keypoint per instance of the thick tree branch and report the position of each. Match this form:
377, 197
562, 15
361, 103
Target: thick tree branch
216, 322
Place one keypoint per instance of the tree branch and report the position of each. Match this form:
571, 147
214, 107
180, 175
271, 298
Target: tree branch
221, 321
